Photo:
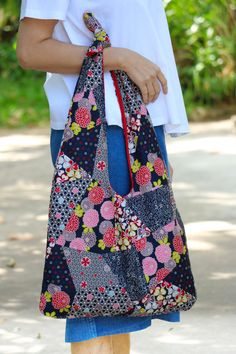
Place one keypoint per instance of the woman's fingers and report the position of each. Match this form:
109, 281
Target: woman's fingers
162, 79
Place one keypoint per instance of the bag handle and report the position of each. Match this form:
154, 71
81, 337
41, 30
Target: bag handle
101, 38
101, 41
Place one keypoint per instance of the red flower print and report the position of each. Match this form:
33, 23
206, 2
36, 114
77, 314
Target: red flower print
60, 300
101, 289
83, 284
99, 121
76, 307
75, 166
71, 205
101, 165
143, 176
178, 244
123, 290
85, 261
82, 117
57, 189
96, 195
162, 273
140, 244
159, 166
42, 303
90, 73
73, 223
109, 237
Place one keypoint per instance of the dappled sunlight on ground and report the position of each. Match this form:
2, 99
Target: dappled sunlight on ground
205, 191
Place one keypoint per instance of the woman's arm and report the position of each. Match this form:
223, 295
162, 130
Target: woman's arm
37, 50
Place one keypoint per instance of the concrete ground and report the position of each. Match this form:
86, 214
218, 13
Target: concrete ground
205, 189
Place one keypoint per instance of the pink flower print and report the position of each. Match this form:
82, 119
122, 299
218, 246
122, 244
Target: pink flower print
85, 261
90, 297
61, 241
152, 157
58, 215
75, 190
101, 165
96, 195
159, 166
91, 218
109, 237
83, 284
140, 244
143, 176
149, 266
104, 225
163, 253
60, 300
86, 204
78, 96
42, 303
91, 98
78, 244
89, 238
147, 251
143, 110
82, 117
116, 306
107, 210
69, 236
135, 124
169, 227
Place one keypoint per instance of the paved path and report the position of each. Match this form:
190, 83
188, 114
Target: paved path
205, 190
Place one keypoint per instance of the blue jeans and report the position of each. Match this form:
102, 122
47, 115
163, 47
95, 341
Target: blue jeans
80, 329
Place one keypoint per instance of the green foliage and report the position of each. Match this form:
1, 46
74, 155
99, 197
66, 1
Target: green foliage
204, 36
22, 99
23, 102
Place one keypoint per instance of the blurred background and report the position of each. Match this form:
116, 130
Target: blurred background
204, 39
203, 35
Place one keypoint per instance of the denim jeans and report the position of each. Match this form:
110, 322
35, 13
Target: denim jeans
80, 329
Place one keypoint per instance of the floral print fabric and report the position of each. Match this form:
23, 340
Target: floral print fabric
109, 254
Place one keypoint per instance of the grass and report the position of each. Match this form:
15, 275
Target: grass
23, 101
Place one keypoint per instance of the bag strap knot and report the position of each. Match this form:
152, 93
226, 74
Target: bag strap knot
101, 38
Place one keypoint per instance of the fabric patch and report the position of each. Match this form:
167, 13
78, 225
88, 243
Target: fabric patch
104, 301
161, 211
100, 171
128, 268
60, 207
90, 268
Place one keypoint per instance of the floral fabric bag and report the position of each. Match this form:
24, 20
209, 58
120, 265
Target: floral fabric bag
108, 254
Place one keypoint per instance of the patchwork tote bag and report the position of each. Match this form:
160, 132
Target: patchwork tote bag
109, 254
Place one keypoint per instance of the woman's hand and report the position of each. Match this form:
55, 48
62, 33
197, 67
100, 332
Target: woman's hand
143, 72
37, 50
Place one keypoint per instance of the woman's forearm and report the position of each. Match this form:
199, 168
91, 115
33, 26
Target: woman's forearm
64, 58
38, 50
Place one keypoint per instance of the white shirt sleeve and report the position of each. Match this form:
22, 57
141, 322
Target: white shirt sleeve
41, 9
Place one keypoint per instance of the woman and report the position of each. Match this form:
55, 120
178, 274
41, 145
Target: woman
53, 38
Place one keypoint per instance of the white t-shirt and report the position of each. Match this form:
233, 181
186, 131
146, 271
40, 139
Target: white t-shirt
139, 25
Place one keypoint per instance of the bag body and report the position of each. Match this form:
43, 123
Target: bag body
109, 254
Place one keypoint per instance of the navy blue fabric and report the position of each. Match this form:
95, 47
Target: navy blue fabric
81, 329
